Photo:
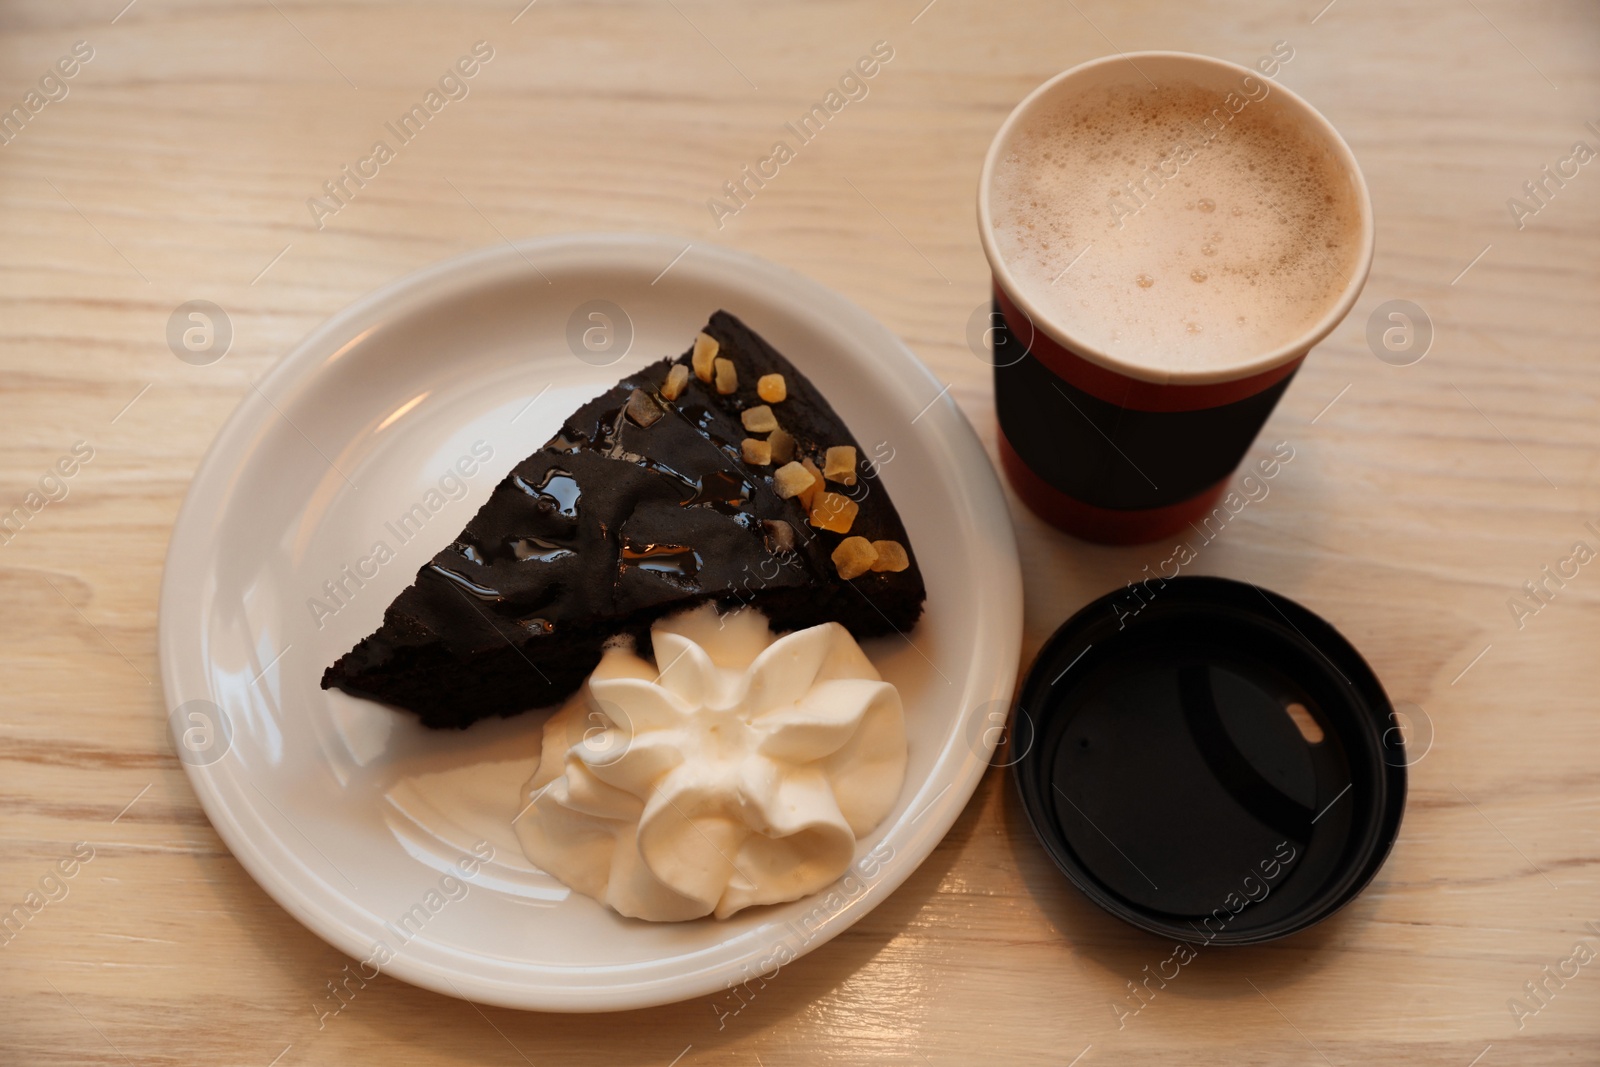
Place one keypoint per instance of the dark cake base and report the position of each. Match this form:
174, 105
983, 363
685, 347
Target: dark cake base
613, 524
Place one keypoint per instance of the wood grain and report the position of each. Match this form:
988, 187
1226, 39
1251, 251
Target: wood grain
178, 167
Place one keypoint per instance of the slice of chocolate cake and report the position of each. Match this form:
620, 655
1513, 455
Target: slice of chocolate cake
721, 475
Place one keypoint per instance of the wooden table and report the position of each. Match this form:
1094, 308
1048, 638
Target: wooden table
178, 165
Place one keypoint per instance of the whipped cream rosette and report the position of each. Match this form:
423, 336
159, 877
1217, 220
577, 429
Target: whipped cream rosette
740, 772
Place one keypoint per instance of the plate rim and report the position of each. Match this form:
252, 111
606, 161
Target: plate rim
183, 675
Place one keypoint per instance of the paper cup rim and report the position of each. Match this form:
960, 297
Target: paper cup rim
1259, 364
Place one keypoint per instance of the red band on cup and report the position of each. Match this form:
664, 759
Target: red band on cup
1126, 392
1106, 526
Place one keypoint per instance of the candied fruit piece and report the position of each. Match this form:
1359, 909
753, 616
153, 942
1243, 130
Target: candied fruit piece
792, 479
854, 557
782, 442
758, 419
705, 353
808, 496
757, 453
834, 512
677, 378
772, 388
778, 535
839, 465
727, 376
643, 409
891, 556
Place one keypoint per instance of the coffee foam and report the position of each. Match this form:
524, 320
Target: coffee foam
1178, 227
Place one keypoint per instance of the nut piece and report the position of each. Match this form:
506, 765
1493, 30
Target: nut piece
782, 442
677, 378
758, 419
891, 556
809, 496
778, 535
854, 557
705, 351
792, 479
772, 388
839, 465
834, 512
727, 377
757, 453
643, 409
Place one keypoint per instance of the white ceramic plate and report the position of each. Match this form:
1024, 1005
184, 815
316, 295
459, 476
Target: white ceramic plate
414, 402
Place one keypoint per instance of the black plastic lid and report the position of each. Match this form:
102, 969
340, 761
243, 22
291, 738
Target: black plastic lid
1208, 760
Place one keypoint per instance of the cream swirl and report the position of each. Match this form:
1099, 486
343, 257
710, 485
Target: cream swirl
742, 772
